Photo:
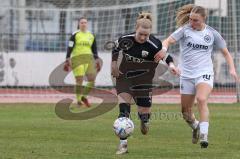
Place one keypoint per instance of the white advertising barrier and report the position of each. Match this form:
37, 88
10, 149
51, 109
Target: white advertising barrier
34, 68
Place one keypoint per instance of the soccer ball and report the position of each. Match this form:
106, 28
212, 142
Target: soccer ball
123, 127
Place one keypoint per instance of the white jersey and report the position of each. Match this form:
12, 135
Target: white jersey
196, 48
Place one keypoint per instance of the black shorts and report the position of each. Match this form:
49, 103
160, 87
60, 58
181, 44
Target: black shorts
139, 89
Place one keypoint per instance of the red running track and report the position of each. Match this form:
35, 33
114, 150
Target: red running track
48, 95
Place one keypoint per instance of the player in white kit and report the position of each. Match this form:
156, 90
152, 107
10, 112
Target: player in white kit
196, 40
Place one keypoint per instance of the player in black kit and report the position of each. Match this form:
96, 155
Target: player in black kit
136, 71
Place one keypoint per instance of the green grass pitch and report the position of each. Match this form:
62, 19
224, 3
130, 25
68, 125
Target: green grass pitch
33, 131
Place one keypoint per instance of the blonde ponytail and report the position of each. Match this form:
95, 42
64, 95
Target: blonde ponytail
144, 20
183, 14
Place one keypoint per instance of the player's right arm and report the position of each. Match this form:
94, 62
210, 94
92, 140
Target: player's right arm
71, 44
162, 54
172, 39
165, 44
115, 53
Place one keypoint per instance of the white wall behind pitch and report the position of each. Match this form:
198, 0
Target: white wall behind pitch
33, 69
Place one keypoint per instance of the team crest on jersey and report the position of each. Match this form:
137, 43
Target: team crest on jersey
89, 38
144, 53
207, 38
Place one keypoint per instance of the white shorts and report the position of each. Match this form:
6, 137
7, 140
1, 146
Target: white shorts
188, 85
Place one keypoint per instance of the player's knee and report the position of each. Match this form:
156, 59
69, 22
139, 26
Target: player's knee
201, 99
124, 110
91, 77
79, 80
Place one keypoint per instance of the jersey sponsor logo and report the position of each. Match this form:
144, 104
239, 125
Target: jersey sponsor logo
197, 46
125, 44
144, 53
207, 38
84, 43
206, 77
133, 59
90, 38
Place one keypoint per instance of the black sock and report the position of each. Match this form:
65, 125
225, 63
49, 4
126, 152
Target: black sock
123, 138
124, 110
144, 117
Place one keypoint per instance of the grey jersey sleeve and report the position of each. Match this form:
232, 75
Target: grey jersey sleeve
178, 34
219, 42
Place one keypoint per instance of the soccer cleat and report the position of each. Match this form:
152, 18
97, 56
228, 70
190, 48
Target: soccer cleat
85, 101
195, 135
203, 140
144, 127
122, 149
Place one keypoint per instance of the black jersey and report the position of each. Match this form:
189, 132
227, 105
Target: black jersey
137, 57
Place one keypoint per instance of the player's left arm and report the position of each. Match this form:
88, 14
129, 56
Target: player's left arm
230, 62
221, 44
98, 61
169, 60
94, 48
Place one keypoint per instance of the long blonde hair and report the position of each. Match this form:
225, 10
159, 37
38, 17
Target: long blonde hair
183, 13
144, 20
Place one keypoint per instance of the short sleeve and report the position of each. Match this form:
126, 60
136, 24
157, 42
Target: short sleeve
159, 45
178, 34
219, 42
115, 50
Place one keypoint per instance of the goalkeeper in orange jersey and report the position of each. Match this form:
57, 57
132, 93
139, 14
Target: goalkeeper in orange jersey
82, 58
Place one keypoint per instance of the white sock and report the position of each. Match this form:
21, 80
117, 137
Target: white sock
123, 141
204, 127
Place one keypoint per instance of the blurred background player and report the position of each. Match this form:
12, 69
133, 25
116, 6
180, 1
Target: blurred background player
136, 71
196, 40
2, 65
82, 58
13, 76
